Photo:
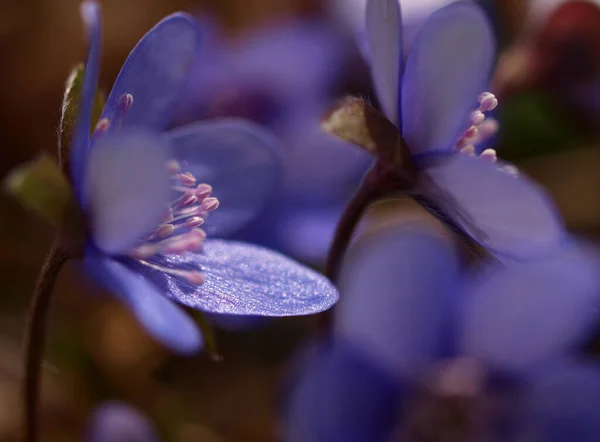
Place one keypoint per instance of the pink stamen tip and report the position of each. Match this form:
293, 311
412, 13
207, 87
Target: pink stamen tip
194, 221
173, 167
187, 179
199, 234
469, 149
470, 133
175, 247
489, 154
164, 230
487, 102
203, 191
143, 252
102, 125
476, 117
489, 127
193, 277
209, 204
511, 170
188, 200
126, 101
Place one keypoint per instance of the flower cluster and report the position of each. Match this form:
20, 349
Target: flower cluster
146, 193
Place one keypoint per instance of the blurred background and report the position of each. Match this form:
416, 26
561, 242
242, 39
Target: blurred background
547, 79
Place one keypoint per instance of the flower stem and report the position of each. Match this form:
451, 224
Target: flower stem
366, 194
35, 337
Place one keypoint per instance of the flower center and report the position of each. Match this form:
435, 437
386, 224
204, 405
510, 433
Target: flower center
179, 232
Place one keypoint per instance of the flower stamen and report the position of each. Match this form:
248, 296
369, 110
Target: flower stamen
481, 128
179, 231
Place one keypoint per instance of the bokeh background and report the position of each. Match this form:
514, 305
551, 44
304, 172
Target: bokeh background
548, 82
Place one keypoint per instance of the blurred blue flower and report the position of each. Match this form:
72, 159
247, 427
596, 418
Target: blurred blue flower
144, 193
118, 422
413, 324
284, 77
431, 99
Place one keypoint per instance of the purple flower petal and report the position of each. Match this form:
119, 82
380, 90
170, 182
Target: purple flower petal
396, 289
521, 315
306, 233
243, 279
509, 215
155, 73
564, 404
384, 36
90, 13
447, 68
238, 159
118, 422
308, 156
341, 396
127, 188
293, 60
161, 318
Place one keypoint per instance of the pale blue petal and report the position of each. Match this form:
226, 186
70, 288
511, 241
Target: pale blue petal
340, 396
90, 13
293, 59
306, 233
521, 315
511, 216
244, 279
563, 404
127, 189
161, 318
239, 159
155, 74
384, 36
309, 155
447, 68
396, 289
118, 422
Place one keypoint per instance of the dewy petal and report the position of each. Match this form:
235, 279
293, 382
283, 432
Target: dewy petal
90, 13
396, 289
127, 188
244, 279
510, 216
520, 315
447, 68
239, 159
118, 422
384, 36
161, 318
563, 404
340, 396
155, 73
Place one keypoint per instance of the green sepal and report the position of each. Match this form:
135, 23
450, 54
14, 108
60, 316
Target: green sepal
70, 105
41, 186
210, 339
357, 122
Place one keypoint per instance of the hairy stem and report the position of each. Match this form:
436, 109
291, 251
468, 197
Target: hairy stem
35, 337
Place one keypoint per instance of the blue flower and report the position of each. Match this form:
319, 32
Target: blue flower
413, 326
118, 422
283, 77
431, 100
145, 193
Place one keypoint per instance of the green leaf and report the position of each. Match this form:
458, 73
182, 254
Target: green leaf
70, 104
41, 186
